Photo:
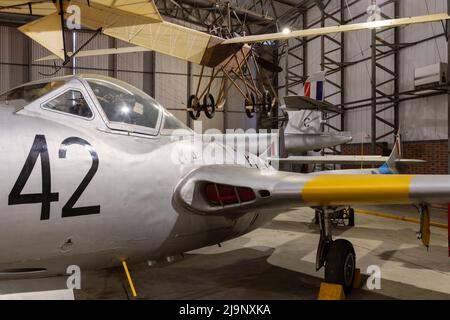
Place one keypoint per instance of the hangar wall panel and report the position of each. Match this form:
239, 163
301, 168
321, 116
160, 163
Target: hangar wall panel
14, 52
165, 78
420, 119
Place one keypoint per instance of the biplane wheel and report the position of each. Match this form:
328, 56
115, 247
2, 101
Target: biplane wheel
209, 106
194, 107
250, 108
341, 264
267, 103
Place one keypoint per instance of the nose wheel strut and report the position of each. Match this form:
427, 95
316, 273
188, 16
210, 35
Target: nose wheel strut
338, 256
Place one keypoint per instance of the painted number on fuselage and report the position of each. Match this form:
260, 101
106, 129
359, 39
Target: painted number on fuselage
68, 210
39, 148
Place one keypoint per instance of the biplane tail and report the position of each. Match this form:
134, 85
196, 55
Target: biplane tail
394, 161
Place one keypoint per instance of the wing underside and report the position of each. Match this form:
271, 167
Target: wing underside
28, 7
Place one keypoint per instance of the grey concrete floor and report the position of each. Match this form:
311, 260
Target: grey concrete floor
277, 262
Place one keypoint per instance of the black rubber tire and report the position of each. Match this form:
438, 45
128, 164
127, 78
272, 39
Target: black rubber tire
194, 103
209, 108
250, 101
341, 264
351, 217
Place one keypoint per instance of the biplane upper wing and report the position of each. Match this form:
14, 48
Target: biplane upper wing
388, 23
29, 7
138, 22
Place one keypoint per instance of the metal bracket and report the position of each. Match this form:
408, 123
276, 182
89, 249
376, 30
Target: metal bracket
68, 58
326, 238
424, 231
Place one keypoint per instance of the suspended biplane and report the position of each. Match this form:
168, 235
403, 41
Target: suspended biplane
138, 22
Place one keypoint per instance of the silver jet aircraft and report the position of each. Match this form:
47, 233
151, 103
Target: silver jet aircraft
95, 172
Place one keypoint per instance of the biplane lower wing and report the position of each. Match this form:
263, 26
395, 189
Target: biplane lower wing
349, 160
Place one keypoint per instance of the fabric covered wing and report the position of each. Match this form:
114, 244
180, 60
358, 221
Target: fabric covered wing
47, 32
144, 8
165, 37
388, 23
28, 7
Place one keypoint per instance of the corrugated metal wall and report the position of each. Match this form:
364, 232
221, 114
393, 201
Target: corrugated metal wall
420, 119
168, 78
165, 78
18, 63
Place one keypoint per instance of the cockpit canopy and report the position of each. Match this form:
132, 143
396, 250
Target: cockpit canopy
125, 107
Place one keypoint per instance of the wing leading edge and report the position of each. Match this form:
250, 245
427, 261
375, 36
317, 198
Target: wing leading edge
388, 23
282, 190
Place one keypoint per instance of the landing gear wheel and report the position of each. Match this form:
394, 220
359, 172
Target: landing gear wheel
340, 264
267, 103
351, 217
250, 108
194, 107
209, 106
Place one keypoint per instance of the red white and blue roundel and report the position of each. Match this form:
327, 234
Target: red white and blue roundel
313, 87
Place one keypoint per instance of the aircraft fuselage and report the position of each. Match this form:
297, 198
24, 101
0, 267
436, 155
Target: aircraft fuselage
76, 195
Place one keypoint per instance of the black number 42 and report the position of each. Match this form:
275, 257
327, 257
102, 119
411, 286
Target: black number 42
40, 148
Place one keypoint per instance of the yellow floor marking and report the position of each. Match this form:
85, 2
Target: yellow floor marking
130, 281
398, 217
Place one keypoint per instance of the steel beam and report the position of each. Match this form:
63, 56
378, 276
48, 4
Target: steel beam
385, 51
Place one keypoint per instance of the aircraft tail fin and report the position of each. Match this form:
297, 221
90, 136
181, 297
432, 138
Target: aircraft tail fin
314, 86
391, 165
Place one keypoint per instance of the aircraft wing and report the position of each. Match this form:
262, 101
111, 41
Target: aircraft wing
30, 7
388, 23
350, 160
138, 22
296, 102
98, 52
230, 190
